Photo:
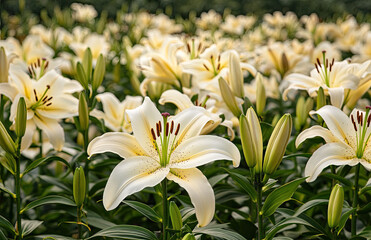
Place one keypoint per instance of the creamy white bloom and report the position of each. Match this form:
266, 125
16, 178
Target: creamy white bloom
164, 147
114, 111
83, 12
347, 140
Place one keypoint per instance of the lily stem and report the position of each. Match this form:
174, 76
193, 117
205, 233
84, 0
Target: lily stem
258, 208
355, 201
86, 167
78, 222
165, 209
2, 103
18, 189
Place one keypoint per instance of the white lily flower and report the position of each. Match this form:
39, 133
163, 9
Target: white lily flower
347, 140
164, 147
48, 99
114, 111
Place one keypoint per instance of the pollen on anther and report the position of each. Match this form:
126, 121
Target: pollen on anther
153, 134
368, 120
167, 129
172, 127
48, 104
36, 98
177, 129
354, 123
158, 129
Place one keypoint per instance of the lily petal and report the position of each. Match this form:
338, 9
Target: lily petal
63, 106
52, 129
111, 105
180, 100
201, 150
27, 138
122, 144
143, 118
329, 154
130, 176
339, 124
336, 96
8, 90
315, 131
199, 190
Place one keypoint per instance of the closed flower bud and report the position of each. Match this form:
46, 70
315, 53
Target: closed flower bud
81, 76
83, 112
8, 162
87, 63
99, 71
260, 95
189, 236
175, 216
235, 75
303, 107
6, 142
335, 206
251, 139
20, 121
79, 186
277, 144
321, 98
229, 97
4, 66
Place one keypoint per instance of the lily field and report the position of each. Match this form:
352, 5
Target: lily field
215, 126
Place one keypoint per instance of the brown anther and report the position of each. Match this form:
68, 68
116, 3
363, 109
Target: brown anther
318, 62
172, 127
199, 47
316, 67
188, 47
159, 126
158, 129
36, 98
38, 62
46, 64
177, 129
361, 118
45, 98
354, 123
326, 63
206, 67
218, 67
153, 134
29, 70
167, 129
49, 99
219, 58
48, 104
368, 120
196, 102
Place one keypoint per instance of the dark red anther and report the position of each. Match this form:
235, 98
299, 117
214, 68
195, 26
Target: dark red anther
167, 129
354, 123
368, 120
159, 126
46, 65
218, 67
153, 134
188, 47
318, 62
172, 127
316, 67
36, 98
45, 98
177, 129
196, 102
361, 118
206, 67
326, 63
38, 62
48, 104
158, 129
219, 58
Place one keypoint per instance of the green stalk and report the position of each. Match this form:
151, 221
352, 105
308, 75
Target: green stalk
2, 103
258, 207
86, 167
18, 189
165, 209
355, 201
78, 222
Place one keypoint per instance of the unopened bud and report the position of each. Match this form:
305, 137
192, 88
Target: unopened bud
285, 63
4, 66
277, 144
79, 186
6, 142
251, 139
335, 206
321, 98
21, 119
99, 71
81, 76
83, 112
87, 62
8, 162
189, 236
303, 107
235, 75
175, 216
229, 97
261, 98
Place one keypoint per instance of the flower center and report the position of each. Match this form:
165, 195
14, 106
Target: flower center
38, 68
166, 133
324, 69
44, 100
215, 63
361, 126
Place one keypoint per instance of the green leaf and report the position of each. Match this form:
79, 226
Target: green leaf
344, 219
244, 183
4, 223
310, 204
39, 161
99, 222
366, 188
2, 187
279, 196
29, 225
126, 232
2, 236
145, 210
175, 216
217, 230
338, 178
56, 182
366, 233
49, 200
53, 237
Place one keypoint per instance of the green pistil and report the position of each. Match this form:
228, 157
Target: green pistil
165, 140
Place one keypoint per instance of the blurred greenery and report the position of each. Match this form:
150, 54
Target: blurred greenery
324, 8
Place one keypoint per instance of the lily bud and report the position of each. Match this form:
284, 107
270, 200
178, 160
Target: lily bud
6, 142
175, 216
235, 75
81, 76
8, 162
321, 98
261, 98
285, 63
99, 71
21, 119
229, 97
83, 112
79, 186
277, 144
251, 139
335, 206
189, 236
87, 62
4, 66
